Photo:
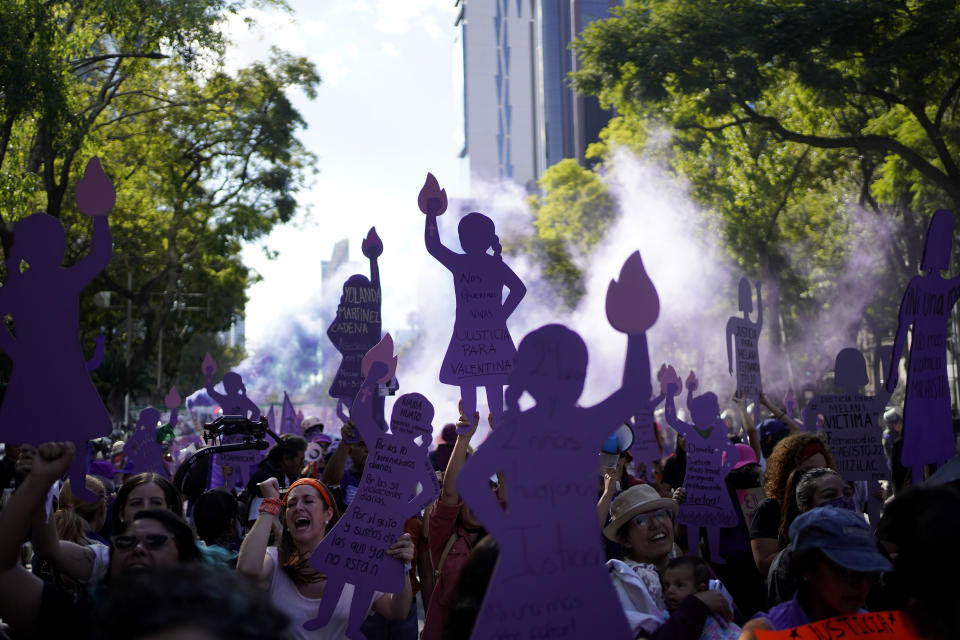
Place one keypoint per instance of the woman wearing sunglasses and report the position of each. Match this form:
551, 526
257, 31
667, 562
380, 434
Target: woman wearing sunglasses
643, 523
153, 539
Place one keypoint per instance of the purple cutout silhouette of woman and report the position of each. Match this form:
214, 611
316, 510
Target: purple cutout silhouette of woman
742, 338
481, 351
44, 301
853, 426
550, 571
926, 306
356, 328
234, 400
142, 449
353, 550
710, 456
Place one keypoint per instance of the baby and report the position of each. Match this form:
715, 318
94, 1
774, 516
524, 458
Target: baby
686, 576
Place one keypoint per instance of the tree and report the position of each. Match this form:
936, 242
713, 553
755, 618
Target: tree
201, 160
863, 69
570, 217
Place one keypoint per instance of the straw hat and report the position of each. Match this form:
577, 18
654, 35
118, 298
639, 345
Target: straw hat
641, 498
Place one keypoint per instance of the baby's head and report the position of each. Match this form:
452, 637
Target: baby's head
684, 576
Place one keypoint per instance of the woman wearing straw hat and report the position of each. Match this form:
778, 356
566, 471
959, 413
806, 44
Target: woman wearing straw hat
642, 522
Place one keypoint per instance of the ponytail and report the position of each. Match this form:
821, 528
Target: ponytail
497, 249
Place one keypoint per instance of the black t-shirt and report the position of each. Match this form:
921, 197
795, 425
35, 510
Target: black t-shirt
766, 520
675, 469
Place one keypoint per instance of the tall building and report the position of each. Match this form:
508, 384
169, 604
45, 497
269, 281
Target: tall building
520, 115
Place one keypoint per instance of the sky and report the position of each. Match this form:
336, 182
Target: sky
388, 110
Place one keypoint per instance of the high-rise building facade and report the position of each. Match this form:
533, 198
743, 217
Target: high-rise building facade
520, 115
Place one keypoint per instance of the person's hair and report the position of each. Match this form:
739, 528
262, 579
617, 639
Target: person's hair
471, 589
923, 523
801, 561
74, 517
290, 444
787, 456
170, 494
701, 570
217, 601
183, 538
294, 564
213, 513
798, 496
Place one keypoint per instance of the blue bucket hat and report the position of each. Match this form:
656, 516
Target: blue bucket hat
842, 535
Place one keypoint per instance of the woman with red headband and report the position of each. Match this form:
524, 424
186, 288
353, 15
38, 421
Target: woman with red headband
306, 513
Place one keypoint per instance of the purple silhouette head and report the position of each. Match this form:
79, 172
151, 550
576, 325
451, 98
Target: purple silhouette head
745, 296
936, 253
477, 234
705, 409
149, 417
551, 364
39, 240
850, 370
412, 416
232, 382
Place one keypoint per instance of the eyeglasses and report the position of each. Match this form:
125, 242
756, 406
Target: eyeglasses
151, 541
643, 519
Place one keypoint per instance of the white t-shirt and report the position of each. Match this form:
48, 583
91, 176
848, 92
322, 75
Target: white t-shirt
285, 597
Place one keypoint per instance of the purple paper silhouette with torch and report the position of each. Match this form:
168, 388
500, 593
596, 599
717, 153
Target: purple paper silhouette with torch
356, 329
742, 338
44, 301
353, 550
710, 457
142, 449
926, 306
551, 572
481, 351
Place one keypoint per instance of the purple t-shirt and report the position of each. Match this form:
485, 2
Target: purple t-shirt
787, 615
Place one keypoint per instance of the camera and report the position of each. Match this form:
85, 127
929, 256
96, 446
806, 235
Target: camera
232, 425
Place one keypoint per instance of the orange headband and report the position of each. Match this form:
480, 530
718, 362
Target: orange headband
313, 483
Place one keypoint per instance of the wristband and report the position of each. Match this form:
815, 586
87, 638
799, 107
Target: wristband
271, 506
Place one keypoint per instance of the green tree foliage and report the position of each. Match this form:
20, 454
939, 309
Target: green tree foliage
781, 116
872, 77
570, 218
202, 161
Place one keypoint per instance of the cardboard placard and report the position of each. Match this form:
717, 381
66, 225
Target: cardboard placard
357, 326
852, 421
550, 579
749, 499
879, 625
43, 299
743, 337
481, 352
926, 307
142, 448
353, 551
710, 457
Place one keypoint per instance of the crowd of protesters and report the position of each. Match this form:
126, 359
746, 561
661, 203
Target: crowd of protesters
146, 560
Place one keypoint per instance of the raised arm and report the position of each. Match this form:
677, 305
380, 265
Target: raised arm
101, 248
253, 561
893, 371
21, 592
449, 494
431, 237
635, 389
70, 559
